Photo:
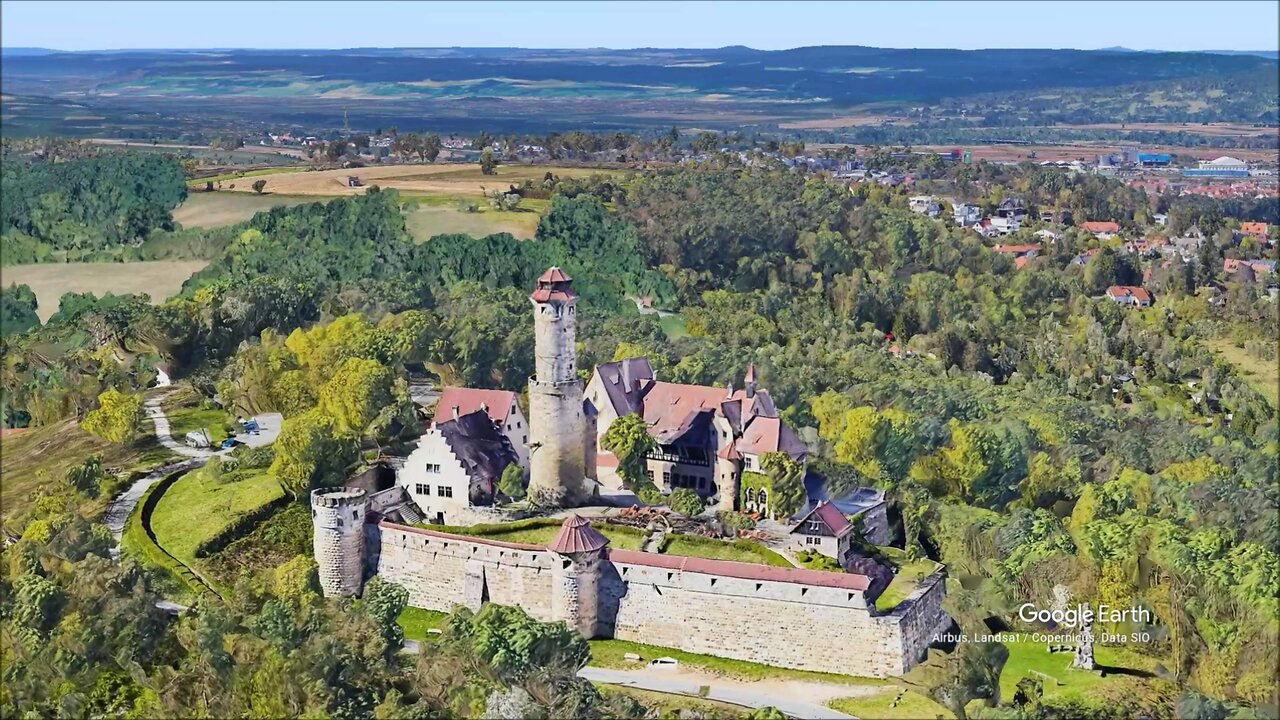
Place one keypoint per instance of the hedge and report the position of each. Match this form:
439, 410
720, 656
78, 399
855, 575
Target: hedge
138, 537
242, 525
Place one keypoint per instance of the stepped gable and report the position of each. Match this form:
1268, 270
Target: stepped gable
577, 536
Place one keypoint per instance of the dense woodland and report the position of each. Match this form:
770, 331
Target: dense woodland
1030, 434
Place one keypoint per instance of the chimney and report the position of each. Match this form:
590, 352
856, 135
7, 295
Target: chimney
749, 382
484, 406
455, 412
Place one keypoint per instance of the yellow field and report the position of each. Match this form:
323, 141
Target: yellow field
158, 278
219, 209
462, 180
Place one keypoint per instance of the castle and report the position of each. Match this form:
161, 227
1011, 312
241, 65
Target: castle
783, 616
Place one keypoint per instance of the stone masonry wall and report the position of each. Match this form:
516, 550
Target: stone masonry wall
784, 624
442, 573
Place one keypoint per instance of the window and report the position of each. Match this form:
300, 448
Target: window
524, 439
764, 499
666, 477
747, 462
444, 491
751, 496
813, 527
433, 467
650, 474
421, 489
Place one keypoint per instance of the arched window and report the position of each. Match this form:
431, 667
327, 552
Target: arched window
751, 497
764, 501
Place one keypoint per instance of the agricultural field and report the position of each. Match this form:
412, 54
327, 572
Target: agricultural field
462, 180
50, 281
220, 209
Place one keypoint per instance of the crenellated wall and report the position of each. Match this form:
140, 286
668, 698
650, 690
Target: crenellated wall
655, 599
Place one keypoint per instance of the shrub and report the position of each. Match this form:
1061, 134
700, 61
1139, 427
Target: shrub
649, 494
735, 521
686, 502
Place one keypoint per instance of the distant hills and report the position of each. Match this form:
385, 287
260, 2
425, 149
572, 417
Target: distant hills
523, 88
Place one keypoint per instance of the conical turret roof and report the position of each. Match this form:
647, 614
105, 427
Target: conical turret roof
577, 536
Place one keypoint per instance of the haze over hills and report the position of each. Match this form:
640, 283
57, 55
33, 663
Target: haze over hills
526, 89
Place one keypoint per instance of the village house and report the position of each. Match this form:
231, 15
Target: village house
1017, 251
826, 530
501, 407
456, 466
706, 436
966, 215
1129, 296
1254, 229
1103, 230
1233, 266
924, 205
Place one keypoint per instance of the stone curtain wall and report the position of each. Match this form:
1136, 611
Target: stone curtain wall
441, 572
777, 623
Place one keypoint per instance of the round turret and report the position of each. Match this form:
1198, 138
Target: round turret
580, 551
338, 516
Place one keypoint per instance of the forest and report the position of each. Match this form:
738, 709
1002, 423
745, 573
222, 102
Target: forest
1029, 433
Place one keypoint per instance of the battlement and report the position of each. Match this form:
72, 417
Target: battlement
335, 497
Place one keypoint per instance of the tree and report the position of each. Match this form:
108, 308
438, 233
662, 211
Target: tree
17, 310
787, 479
258, 186
629, 440
356, 394
512, 482
86, 477
686, 502
309, 454
430, 148
118, 417
487, 164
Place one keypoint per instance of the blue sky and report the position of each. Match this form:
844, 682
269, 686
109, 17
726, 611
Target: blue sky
1206, 25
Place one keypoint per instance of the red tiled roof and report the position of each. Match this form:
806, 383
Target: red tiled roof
1119, 291
741, 570
1254, 228
769, 434
553, 286
497, 403
554, 275
1021, 261
576, 536
830, 516
670, 406
1100, 226
729, 452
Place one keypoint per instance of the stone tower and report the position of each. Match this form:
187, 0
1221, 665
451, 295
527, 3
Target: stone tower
337, 517
557, 423
575, 581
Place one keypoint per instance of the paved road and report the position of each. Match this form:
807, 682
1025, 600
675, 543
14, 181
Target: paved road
667, 681
161, 421
120, 508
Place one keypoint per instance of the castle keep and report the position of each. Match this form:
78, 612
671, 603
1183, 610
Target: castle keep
562, 429
783, 616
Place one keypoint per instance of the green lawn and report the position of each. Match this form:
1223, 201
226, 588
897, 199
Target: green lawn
198, 506
668, 705
192, 419
541, 531
1263, 375
417, 621
712, 549
674, 326
1026, 656
894, 704
904, 583
609, 654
